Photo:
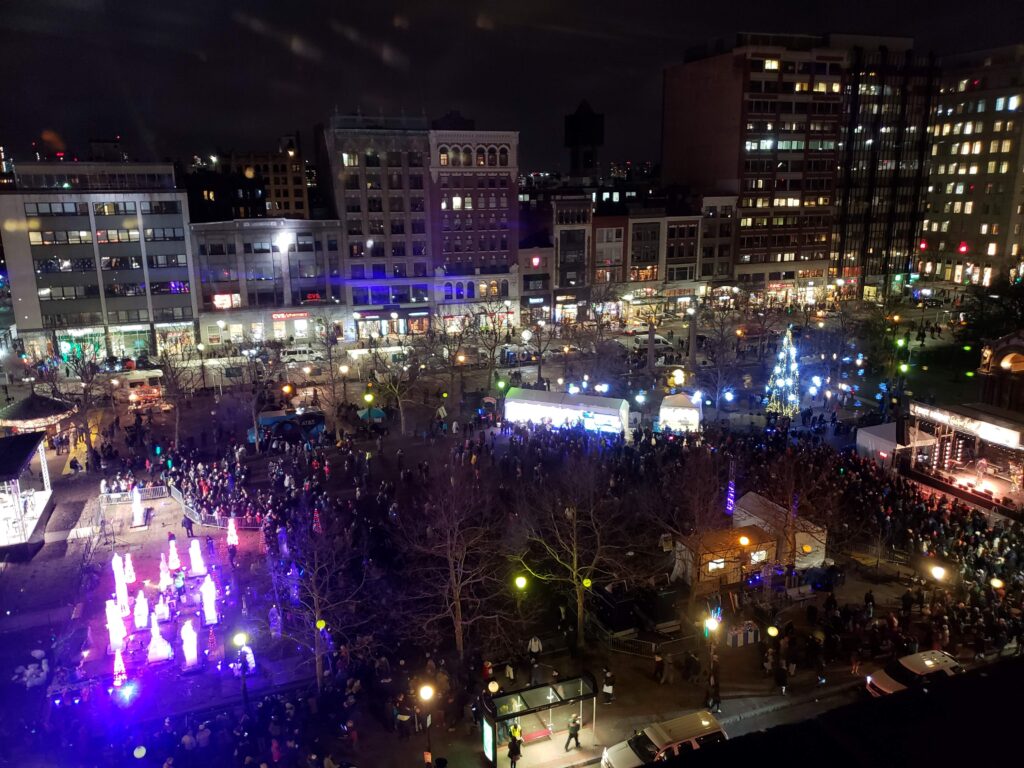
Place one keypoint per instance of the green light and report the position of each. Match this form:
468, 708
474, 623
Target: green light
967, 347
900, 342
904, 367
501, 385
898, 278
587, 583
970, 374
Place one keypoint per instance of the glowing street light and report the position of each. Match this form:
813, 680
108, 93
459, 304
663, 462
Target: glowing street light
240, 639
520, 582
343, 370
996, 583
711, 624
640, 398
493, 686
744, 541
426, 694
368, 398
307, 370
938, 572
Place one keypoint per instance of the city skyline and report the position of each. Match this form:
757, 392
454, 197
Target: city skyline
199, 79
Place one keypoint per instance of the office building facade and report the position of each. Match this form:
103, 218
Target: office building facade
883, 175
99, 258
972, 232
280, 172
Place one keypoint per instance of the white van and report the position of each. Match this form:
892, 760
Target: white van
296, 355
913, 671
656, 743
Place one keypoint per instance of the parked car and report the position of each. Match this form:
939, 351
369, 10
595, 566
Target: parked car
912, 671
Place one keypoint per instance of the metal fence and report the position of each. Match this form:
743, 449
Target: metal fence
145, 494
201, 518
634, 646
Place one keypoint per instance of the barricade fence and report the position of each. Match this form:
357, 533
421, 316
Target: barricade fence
214, 521
126, 497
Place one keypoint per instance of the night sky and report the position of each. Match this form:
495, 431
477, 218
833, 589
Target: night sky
174, 78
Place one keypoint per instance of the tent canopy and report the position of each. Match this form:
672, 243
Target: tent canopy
604, 414
16, 452
679, 413
35, 412
881, 438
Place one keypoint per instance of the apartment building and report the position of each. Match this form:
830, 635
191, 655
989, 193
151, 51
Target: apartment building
282, 172
972, 232
99, 258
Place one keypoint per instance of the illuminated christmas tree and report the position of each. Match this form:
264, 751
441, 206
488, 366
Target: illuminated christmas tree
317, 527
783, 386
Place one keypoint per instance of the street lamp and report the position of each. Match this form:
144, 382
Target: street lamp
343, 370
426, 694
996, 583
368, 398
520, 582
241, 640
773, 631
938, 572
307, 370
711, 625
744, 541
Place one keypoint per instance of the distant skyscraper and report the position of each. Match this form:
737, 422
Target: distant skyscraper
584, 136
883, 176
973, 230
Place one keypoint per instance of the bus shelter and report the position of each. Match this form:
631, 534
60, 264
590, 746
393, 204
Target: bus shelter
539, 711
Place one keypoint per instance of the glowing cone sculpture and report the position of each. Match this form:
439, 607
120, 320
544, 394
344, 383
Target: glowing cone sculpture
208, 593
141, 611
232, 533
317, 527
195, 556
129, 569
115, 626
173, 561
120, 673
166, 582
159, 649
120, 585
190, 644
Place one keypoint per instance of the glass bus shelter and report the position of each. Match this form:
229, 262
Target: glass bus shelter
538, 710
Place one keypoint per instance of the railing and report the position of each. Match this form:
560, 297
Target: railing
634, 646
201, 518
145, 494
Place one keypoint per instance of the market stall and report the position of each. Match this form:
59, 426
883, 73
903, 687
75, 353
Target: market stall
25, 493
561, 409
807, 549
881, 443
680, 413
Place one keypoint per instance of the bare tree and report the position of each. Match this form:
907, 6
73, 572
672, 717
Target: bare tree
444, 348
718, 325
395, 377
182, 371
260, 370
601, 294
326, 336
459, 587
572, 533
540, 336
323, 582
83, 384
493, 330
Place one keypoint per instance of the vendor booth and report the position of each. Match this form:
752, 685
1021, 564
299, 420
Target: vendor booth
808, 539
25, 493
714, 560
561, 409
679, 413
881, 443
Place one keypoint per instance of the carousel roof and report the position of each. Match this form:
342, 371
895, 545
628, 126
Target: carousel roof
34, 412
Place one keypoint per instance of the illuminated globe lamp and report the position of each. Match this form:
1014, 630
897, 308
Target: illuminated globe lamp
493, 687
520, 582
938, 572
773, 631
321, 624
368, 398
587, 583
996, 583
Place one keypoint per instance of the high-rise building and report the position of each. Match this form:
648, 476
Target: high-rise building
382, 194
883, 151
283, 175
98, 258
584, 136
972, 233
762, 122
474, 177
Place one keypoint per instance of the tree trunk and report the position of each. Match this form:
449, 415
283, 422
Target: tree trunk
460, 640
401, 416
318, 652
256, 430
580, 623
177, 421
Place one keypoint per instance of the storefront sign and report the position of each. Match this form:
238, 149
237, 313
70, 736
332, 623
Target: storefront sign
289, 315
990, 433
565, 298
534, 300
226, 300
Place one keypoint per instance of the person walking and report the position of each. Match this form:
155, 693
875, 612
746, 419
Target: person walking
714, 685
781, 676
608, 686
515, 751
574, 732
186, 523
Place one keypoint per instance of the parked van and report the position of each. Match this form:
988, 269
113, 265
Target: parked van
912, 671
295, 355
655, 743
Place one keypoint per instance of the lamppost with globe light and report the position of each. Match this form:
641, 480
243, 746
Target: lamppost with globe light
426, 694
241, 641
343, 370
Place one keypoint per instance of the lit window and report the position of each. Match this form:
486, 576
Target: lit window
456, 203
969, 207
771, 64
1000, 103
1013, 103
719, 564
992, 249
349, 160
1006, 145
758, 557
